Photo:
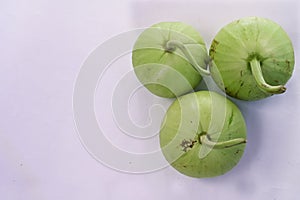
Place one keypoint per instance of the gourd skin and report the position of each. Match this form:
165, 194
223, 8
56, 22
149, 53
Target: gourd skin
167, 72
196, 115
241, 41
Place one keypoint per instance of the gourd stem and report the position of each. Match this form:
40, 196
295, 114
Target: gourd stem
258, 76
171, 45
204, 139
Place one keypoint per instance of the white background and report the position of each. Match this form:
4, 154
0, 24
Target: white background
43, 44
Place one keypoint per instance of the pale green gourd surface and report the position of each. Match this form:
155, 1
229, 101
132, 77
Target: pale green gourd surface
241, 41
208, 114
166, 72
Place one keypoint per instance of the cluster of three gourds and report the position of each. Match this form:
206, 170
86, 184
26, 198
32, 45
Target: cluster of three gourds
203, 133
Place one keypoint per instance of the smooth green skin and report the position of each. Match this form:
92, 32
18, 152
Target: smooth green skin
241, 41
193, 115
168, 73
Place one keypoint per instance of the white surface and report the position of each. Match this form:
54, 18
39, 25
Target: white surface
43, 44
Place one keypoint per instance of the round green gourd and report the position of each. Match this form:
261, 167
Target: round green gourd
251, 58
169, 58
203, 134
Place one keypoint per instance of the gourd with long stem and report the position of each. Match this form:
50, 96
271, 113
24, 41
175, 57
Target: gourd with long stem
203, 134
252, 58
170, 58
